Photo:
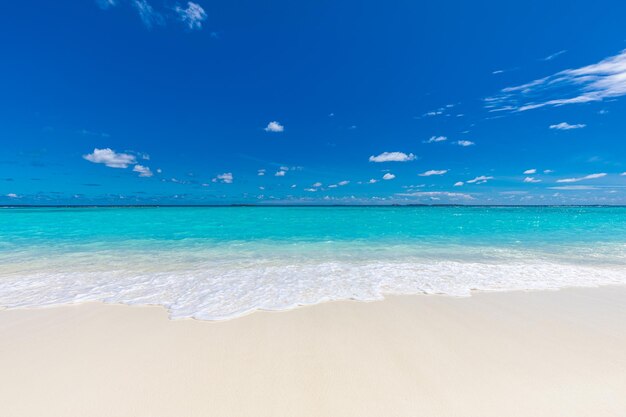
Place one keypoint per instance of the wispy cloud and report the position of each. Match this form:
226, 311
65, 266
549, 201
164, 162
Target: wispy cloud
586, 177
280, 173
110, 158
261, 172
465, 143
479, 180
193, 15
148, 15
573, 187
12, 195
567, 126
531, 180
592, 83
142, 170
554, 55
459, 184
105, 4
441, 110
274, 127
392, 157
530, 171
433, 172
435, 139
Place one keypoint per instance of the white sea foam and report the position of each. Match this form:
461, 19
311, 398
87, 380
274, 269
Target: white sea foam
223, 285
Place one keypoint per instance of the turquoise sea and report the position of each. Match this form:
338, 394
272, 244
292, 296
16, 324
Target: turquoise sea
223, 262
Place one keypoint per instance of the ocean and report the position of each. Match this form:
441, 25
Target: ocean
217, 263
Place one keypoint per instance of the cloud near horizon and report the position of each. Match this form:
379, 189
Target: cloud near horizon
437, 194
226, 178
586, 177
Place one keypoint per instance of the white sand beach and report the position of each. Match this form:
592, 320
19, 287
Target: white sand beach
547, 353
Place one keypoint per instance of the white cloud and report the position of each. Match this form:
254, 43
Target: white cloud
274, 127
586, 177
372, 181
567, 126
192, 16
554, 55
388, 176
459, 184
311, 190
623, 174
226, 177
480, 180
12, 195
280, 173
433, 172
433, 113
317, 184
438, 194
465, 143
531, 180
573, 187
435, 139
110, 158
548, 171
148, 15
593, 83
530, 171
261, 172
142, 170
159, 170
342, 183
392, 157
333, 186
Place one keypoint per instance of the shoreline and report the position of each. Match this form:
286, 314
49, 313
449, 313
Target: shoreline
520, 353
384, 297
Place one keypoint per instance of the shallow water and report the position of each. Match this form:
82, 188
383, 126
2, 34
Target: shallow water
222, 262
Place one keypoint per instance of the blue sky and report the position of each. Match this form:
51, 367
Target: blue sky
204, 102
